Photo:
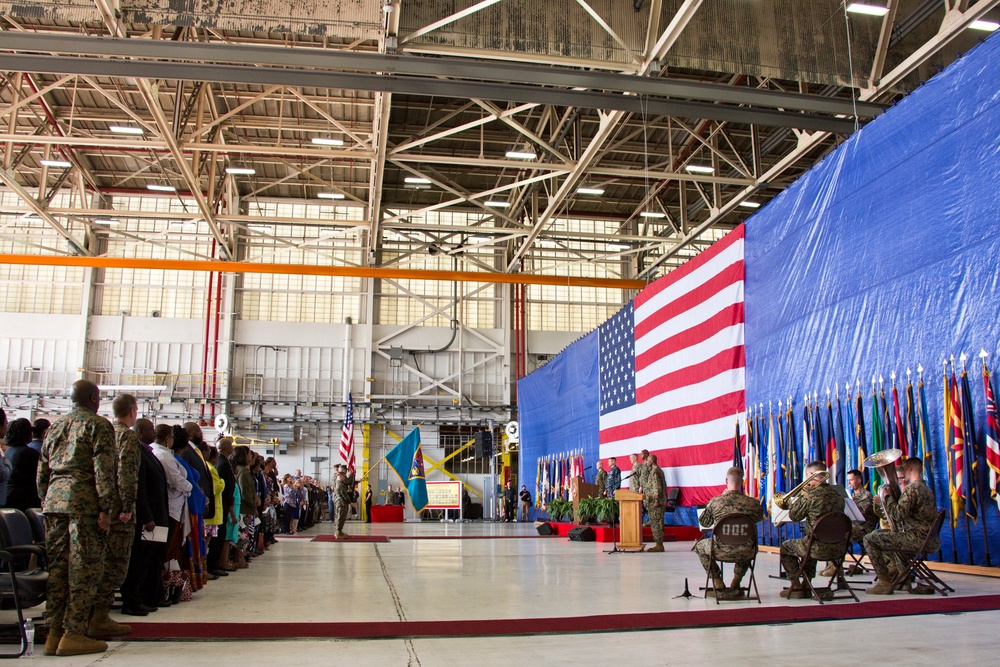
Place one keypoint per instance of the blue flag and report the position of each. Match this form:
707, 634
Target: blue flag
407, 460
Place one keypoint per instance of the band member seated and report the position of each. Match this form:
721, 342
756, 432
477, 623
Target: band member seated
914, 514
732, 501
863, 498
817, 499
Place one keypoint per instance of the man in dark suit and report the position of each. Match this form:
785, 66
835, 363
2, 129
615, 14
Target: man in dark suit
218, 546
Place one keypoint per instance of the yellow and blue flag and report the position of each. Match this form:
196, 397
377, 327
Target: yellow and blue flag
407, 460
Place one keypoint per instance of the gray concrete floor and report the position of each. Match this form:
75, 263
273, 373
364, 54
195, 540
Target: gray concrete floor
299, 580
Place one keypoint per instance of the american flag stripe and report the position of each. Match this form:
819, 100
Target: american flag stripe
347, 436
682, 342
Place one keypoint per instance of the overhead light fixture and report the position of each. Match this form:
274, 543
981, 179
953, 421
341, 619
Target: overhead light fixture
417, 186
652, 214
522, 155
327, 141
868, 10
31, 219
61, 164
590, 191
546, 243
480, 239
749, 204
985, 26
106, 221
497, 204
699, 169
259, 228
416, 179
241, 171
619, 246
127, 129
330, 195
159, 187
183, 226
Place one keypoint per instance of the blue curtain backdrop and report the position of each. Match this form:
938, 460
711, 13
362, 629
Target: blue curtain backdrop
885, 256
558, 409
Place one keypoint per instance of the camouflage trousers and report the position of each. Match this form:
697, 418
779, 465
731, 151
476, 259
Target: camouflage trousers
793, 550
117, 551
75, 548
740, 558
341, 511
885, 546
655, 513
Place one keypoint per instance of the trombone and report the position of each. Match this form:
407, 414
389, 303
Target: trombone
784, 500
885, 463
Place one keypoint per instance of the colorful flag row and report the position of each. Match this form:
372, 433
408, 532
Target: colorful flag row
554, 474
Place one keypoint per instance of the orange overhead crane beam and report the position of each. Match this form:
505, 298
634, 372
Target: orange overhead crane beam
310, 270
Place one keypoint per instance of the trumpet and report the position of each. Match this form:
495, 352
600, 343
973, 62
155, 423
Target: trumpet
885, 463
784, 500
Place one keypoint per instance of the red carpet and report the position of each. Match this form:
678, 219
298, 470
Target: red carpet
351, 538
741, 615
470, 537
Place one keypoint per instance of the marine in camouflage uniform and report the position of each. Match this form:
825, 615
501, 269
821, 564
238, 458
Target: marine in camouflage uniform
601, 479
654, 487
342, 495
118, 545
812, 504
731, 501
635, 478
866, 504
76, 479
914, 514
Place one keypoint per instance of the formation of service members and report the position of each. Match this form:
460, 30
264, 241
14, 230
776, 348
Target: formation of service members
732, 501
653, 486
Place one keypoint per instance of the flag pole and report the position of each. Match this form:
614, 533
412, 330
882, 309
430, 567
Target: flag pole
947, 454
980, 473
968, 528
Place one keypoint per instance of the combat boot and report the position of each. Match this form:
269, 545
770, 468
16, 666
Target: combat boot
102, 626
737, 583
658, 548
729, 594
829, 570
341, 535
73, 643
52, 641
718, 586
881, 588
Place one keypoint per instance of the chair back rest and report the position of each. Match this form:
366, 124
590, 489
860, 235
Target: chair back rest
14, 531
37, 520
832, 528
673, 495
735, 530
933, 532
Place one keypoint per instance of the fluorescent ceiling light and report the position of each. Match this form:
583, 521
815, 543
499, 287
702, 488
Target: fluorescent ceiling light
183, 226
330, 195
106, 221
699, 169
62, 164
126, 129
497, 204
416, 179
749, 204
870, 10
327, 141
619, 246
589, 191
986, 26
31, 219
241, 171
157, 187
522, 155
417, 186
652, 214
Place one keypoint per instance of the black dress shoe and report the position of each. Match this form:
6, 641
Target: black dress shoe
147, 608
163, 603
129, 611
219, 573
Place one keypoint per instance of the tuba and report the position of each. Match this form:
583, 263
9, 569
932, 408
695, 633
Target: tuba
784, 500
885, 463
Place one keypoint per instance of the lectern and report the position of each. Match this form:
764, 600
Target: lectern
630, 518
578, 490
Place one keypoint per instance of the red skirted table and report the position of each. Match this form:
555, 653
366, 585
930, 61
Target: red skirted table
387, 514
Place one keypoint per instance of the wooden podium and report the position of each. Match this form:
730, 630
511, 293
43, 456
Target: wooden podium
630, 519
579, 489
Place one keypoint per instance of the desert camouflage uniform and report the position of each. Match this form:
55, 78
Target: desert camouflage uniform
635, 481
866, 503
121, 536
809, 507
76, 479
343, 493
914, 514
730, 502
654, 488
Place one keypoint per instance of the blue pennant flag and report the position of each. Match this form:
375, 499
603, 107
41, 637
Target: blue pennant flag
407, 460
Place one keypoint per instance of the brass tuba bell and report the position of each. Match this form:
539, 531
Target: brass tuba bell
885, 463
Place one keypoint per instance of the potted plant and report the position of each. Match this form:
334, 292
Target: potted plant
558, 509
587, 510
606, 510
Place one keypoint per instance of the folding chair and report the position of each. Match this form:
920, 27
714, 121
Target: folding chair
914, 565
21, 586
37, 520
735, 530
673, 497
833, 529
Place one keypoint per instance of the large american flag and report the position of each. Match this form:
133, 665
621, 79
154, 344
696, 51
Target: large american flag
347, 436
672, 371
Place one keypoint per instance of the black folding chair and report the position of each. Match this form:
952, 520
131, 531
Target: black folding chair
735, 530
37, 520
673, 497
832, 530
21, 585
914, 565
